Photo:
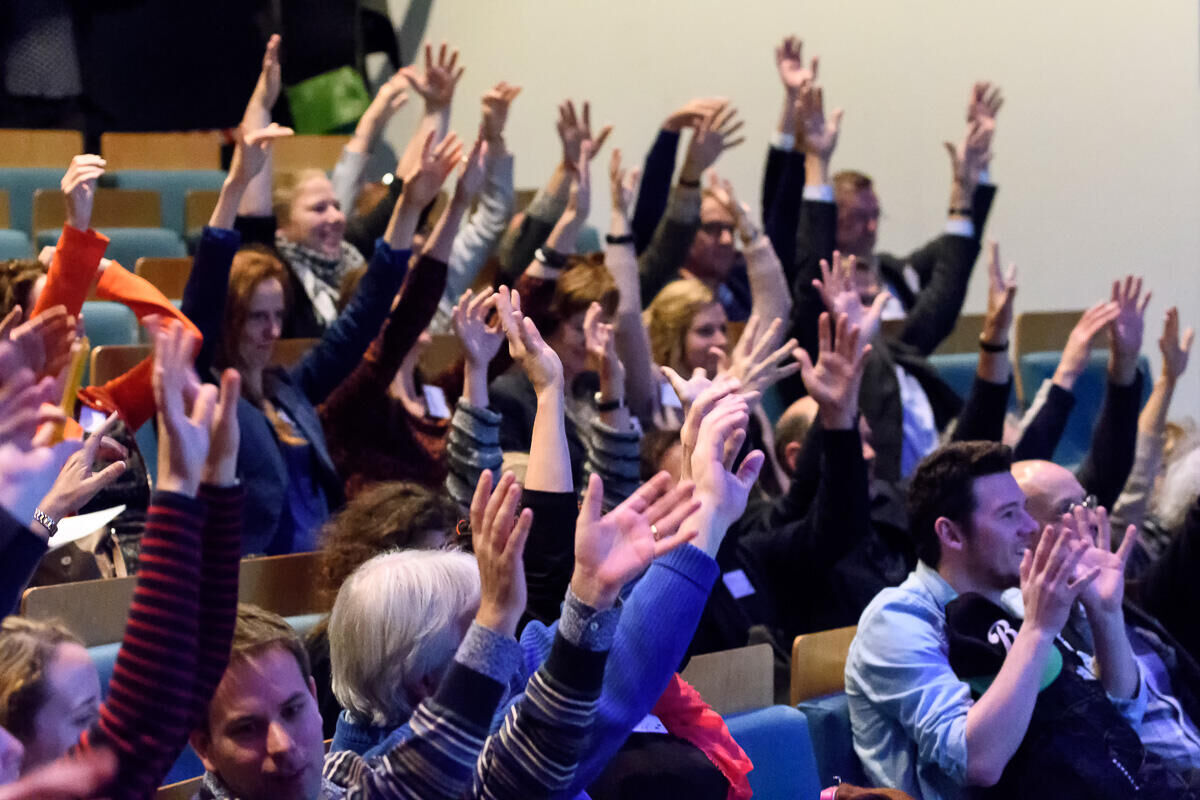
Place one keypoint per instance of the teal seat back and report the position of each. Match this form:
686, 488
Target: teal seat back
172, 185
15, 244
776, 739
21, 182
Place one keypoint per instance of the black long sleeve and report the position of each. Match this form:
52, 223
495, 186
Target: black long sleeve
22, 550
1108, 461
655, 188
549, 552
1042, 434
982, 417
1168, 588
783, 193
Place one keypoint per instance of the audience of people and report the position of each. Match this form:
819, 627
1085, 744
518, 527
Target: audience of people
520, 551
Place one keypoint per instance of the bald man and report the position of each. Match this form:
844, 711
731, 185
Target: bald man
1171, 672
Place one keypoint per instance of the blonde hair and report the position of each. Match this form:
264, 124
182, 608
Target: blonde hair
286, 187
394, 623
668, 318
27, 646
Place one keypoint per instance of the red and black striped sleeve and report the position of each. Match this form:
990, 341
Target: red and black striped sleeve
146, 718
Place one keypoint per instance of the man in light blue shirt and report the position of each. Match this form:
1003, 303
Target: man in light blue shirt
915, 725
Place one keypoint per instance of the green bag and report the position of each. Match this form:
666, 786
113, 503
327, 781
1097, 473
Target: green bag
328, 102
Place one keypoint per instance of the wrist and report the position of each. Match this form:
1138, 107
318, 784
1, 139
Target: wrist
1122, 369
592, 592
837, 419
496, 619
178, 484
690, 174
1065, 378
816, 169
549, 394
222, 475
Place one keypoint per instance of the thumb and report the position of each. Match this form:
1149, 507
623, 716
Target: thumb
751, 466
677, 382
104, 477
952, 152
835, 119
592, 499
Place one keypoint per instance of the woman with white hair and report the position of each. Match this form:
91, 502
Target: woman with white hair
398, 619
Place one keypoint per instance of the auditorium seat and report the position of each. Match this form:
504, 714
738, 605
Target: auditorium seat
127, 245
172, 150
818, 669
173, 186
14, 244
109, 323
828, 720
31, 147
21, 183
777, 739
168, 275
301, 152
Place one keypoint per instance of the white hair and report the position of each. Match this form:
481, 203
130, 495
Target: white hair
396, 621
1179, 490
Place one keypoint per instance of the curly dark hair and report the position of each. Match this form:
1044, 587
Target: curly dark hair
17, 278
386, 516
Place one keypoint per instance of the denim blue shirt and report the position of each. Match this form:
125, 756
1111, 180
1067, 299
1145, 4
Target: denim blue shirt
908, 710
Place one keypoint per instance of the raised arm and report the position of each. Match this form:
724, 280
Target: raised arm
436, 87
80, 249
347, 175
771, 297
982, 417
1110, 457
256, 196
1130, 508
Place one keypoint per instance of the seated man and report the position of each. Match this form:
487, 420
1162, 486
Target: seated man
916, 725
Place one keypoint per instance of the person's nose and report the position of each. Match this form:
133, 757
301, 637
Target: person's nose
279, 742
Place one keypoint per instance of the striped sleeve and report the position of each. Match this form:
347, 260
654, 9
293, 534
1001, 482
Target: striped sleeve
145, 718
543, 737
448, 731
616, 457
220, 555
473, 446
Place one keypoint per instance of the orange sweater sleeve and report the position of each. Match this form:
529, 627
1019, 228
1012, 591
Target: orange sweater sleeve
76, 259
131, 394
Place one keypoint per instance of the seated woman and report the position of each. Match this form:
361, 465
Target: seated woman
172, 653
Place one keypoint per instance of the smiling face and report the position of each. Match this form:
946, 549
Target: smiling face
1000, 529
264, 729
72, 704
315, 218
707, 330
263, 325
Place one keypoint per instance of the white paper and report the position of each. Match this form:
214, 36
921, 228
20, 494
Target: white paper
80, 525
668, 398
650, 724
738, 584
435, 402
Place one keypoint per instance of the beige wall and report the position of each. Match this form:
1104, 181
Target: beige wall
1097, 153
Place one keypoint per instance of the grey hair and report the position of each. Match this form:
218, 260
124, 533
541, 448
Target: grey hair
394, 623
1179, 489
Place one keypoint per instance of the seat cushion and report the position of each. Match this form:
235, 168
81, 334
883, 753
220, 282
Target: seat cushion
776, 739
832, 741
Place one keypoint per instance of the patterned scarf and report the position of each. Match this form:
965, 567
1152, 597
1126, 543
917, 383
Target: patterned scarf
320, 275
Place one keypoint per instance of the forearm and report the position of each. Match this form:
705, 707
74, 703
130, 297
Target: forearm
347, 175
1153, 419
549, 467
76, 259
997, 723
770, 296
441, 241
402, 225
436, 122
994, 367
472, 446
565, 235
475, 384
226, 210
1117, 669
1110, 457
256, 198
660, 262
655, 188
816, 170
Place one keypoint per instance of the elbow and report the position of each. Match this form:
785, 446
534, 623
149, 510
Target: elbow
982, 773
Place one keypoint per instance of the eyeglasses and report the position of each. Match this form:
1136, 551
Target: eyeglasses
715, 229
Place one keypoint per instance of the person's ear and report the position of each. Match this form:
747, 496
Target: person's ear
950, 534
791, 454
312, 687
201, 742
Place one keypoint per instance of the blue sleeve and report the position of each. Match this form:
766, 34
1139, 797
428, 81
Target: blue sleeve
655, 188
657, 622
342, 347
206, 290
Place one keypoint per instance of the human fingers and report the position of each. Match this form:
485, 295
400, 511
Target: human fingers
204, 407
494, 502
648, 493
824, 334
1127, 545
479, 501
1050, 536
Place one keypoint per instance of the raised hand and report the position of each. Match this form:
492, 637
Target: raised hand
712, 136
25, 405
437, 162
498, 537
251, 149
1078, 348
601, 343
496, 104
722, 493
270, 79
1050, 584
792, 72
816, 133
220, 468
41, 345
622, 183
840, 295
971, 156
390, 98
480, 340
79, 189
985, 102
692, 113
185, 411
757, 358
723, 191
575, 129
1175, 351
1125, 330
79, 482
526, 346
473, 172
835, 379
436, 85
615, 548
1105, 594
1002, 290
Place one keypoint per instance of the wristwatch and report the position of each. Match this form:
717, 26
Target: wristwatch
603, 405
43, 519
